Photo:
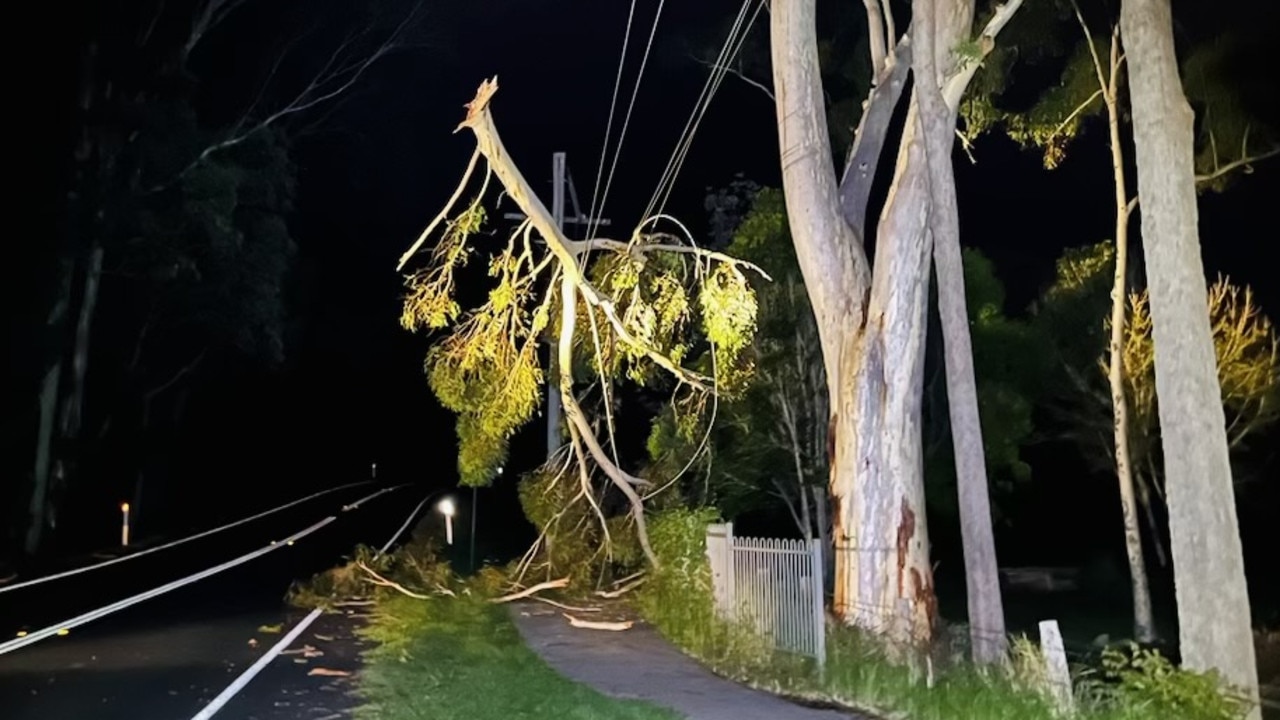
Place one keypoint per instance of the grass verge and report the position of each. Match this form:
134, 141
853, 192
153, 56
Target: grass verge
1129, 685
463, 658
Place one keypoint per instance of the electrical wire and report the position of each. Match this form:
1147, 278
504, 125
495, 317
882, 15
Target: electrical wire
181, 541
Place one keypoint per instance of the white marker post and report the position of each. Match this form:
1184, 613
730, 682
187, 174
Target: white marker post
447, 510
124, 525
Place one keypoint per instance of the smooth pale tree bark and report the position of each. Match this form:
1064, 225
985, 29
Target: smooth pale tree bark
937, 120
1109, 85
1212, 593
871, 323
871, 342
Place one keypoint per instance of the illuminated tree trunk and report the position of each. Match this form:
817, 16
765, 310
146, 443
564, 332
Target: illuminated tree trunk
871, 335
938, 121
1143, 622
871, 324
1213, 600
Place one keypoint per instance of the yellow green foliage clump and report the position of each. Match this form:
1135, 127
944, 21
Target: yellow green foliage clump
649, 312
573, 544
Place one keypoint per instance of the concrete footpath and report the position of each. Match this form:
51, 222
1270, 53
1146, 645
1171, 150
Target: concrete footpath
638, 664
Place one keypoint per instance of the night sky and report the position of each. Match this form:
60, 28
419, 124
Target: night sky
381, 165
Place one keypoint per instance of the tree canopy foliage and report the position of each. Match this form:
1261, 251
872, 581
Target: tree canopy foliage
1040, 86
1073, 317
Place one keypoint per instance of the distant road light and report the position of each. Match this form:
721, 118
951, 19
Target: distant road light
447, 509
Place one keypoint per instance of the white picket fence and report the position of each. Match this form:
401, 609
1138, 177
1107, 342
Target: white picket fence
772, 586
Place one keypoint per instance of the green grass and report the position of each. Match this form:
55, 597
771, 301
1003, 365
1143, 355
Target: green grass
462, 658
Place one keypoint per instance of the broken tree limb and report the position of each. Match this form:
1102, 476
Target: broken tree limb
480, 121
627, 579
622, 590
380, 581
443, 214
548, 585
563, 606
598, 624
580, 429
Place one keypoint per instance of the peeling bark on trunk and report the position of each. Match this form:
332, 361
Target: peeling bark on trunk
871, 323
1212, 594
937, 120
872, 336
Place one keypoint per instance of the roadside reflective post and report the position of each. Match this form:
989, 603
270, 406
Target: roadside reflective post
124, 525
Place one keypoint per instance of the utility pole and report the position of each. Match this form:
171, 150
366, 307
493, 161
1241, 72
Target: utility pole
553, 388
562, 189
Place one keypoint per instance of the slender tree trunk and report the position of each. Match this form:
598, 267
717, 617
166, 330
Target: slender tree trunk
1212, 593
1143, 622
1142, 483
71, 414
50, 384
73, 409
37, 508
982, 579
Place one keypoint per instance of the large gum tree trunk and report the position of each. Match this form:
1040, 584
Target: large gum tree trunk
883, 576
1212, 594
872, 337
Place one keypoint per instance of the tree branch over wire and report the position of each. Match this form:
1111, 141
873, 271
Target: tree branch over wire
648, 309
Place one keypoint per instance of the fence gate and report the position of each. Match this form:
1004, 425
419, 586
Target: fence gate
772, 586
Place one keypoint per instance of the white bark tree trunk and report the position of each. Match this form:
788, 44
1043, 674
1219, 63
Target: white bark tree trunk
872, 337
871, 323
1212, 593
938, 121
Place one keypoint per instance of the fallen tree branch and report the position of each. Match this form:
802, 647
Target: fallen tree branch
562, 606
627, 579
548, 585
480, 121
622, 590
598, 624
383, 582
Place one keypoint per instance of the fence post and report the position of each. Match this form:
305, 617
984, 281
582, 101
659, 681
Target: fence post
816, 569
1055, 663
720, 558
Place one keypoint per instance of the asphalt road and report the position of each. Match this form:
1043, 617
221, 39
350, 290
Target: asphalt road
166, 657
